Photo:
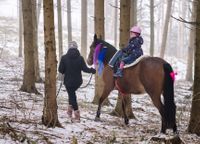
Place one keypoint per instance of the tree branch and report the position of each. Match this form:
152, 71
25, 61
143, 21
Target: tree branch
184, 21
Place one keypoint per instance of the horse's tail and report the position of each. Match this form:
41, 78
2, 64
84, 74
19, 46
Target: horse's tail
168, 94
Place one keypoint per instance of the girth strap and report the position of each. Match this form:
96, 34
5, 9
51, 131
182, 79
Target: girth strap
123, 93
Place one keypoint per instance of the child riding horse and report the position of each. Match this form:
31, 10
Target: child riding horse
150, 75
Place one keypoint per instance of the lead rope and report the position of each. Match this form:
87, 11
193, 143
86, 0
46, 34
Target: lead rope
61, 83
88, 82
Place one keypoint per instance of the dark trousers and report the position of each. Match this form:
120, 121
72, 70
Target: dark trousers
72, 96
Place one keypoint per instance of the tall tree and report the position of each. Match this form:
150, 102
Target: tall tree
116, 23
124, 37
151, 27
60, 37
39, 5
181, 29
50, 115
69, 20
165, 29
194, 124
133, 13
29, 72
159, 26
35, 41
20, 27
99, 30
84, 28
191, 47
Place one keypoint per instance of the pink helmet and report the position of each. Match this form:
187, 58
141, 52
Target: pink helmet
136, 29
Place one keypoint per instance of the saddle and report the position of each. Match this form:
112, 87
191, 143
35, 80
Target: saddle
116, 56
136, 61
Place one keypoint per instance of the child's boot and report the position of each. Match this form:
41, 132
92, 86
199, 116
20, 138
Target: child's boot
69, 111
76, 116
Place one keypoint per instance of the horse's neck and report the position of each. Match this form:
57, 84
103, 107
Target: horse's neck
109, 55
111, 50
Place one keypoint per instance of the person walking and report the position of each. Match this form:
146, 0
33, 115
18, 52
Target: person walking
71, 66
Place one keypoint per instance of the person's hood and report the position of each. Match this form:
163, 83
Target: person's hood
73, 53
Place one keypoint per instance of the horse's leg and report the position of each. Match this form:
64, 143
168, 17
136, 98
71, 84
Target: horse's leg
126, 120
158, 104
106, 92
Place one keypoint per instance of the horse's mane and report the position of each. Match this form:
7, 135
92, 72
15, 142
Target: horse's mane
110, 52
103, 52
108, 45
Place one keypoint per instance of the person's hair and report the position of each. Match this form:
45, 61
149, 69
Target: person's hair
72, 44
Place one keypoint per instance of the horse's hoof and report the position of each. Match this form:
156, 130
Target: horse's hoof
97, 119
126, 121
176, 132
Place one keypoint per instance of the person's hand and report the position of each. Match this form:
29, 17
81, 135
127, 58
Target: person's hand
93, 71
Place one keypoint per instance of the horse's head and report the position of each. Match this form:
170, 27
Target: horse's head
96, 48
92, 50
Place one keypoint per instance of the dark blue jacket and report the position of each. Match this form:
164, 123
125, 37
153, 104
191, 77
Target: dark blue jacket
71, 65
133, 50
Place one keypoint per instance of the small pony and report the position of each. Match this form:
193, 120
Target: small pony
152, 75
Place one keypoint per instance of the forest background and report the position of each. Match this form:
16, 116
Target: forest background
21, 111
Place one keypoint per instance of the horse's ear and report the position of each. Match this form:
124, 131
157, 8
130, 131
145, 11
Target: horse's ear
95, 37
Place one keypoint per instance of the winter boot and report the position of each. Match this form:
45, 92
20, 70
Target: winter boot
69, 111
118, 73
76, 116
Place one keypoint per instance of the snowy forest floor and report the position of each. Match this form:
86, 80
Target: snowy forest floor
20, 114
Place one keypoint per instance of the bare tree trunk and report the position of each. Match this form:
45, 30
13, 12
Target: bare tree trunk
35, 41
124, 37
191, 46
152, 27
133, 13
165, 29
99, 30
60, 37
159, 25
194, 125
38, 10
29, 73
181, 30
124, 23
50, 115
20, 28
69, 20
84, 28
116, 23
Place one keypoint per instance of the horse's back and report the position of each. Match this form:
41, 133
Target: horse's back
152, 74
147, 75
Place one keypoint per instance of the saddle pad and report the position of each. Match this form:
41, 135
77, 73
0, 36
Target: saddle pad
136, 61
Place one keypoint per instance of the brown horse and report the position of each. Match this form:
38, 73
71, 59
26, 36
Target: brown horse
150, 75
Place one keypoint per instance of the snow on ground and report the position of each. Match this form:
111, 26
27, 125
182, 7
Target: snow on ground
20, 113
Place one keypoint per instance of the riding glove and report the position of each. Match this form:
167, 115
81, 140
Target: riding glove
93, 71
